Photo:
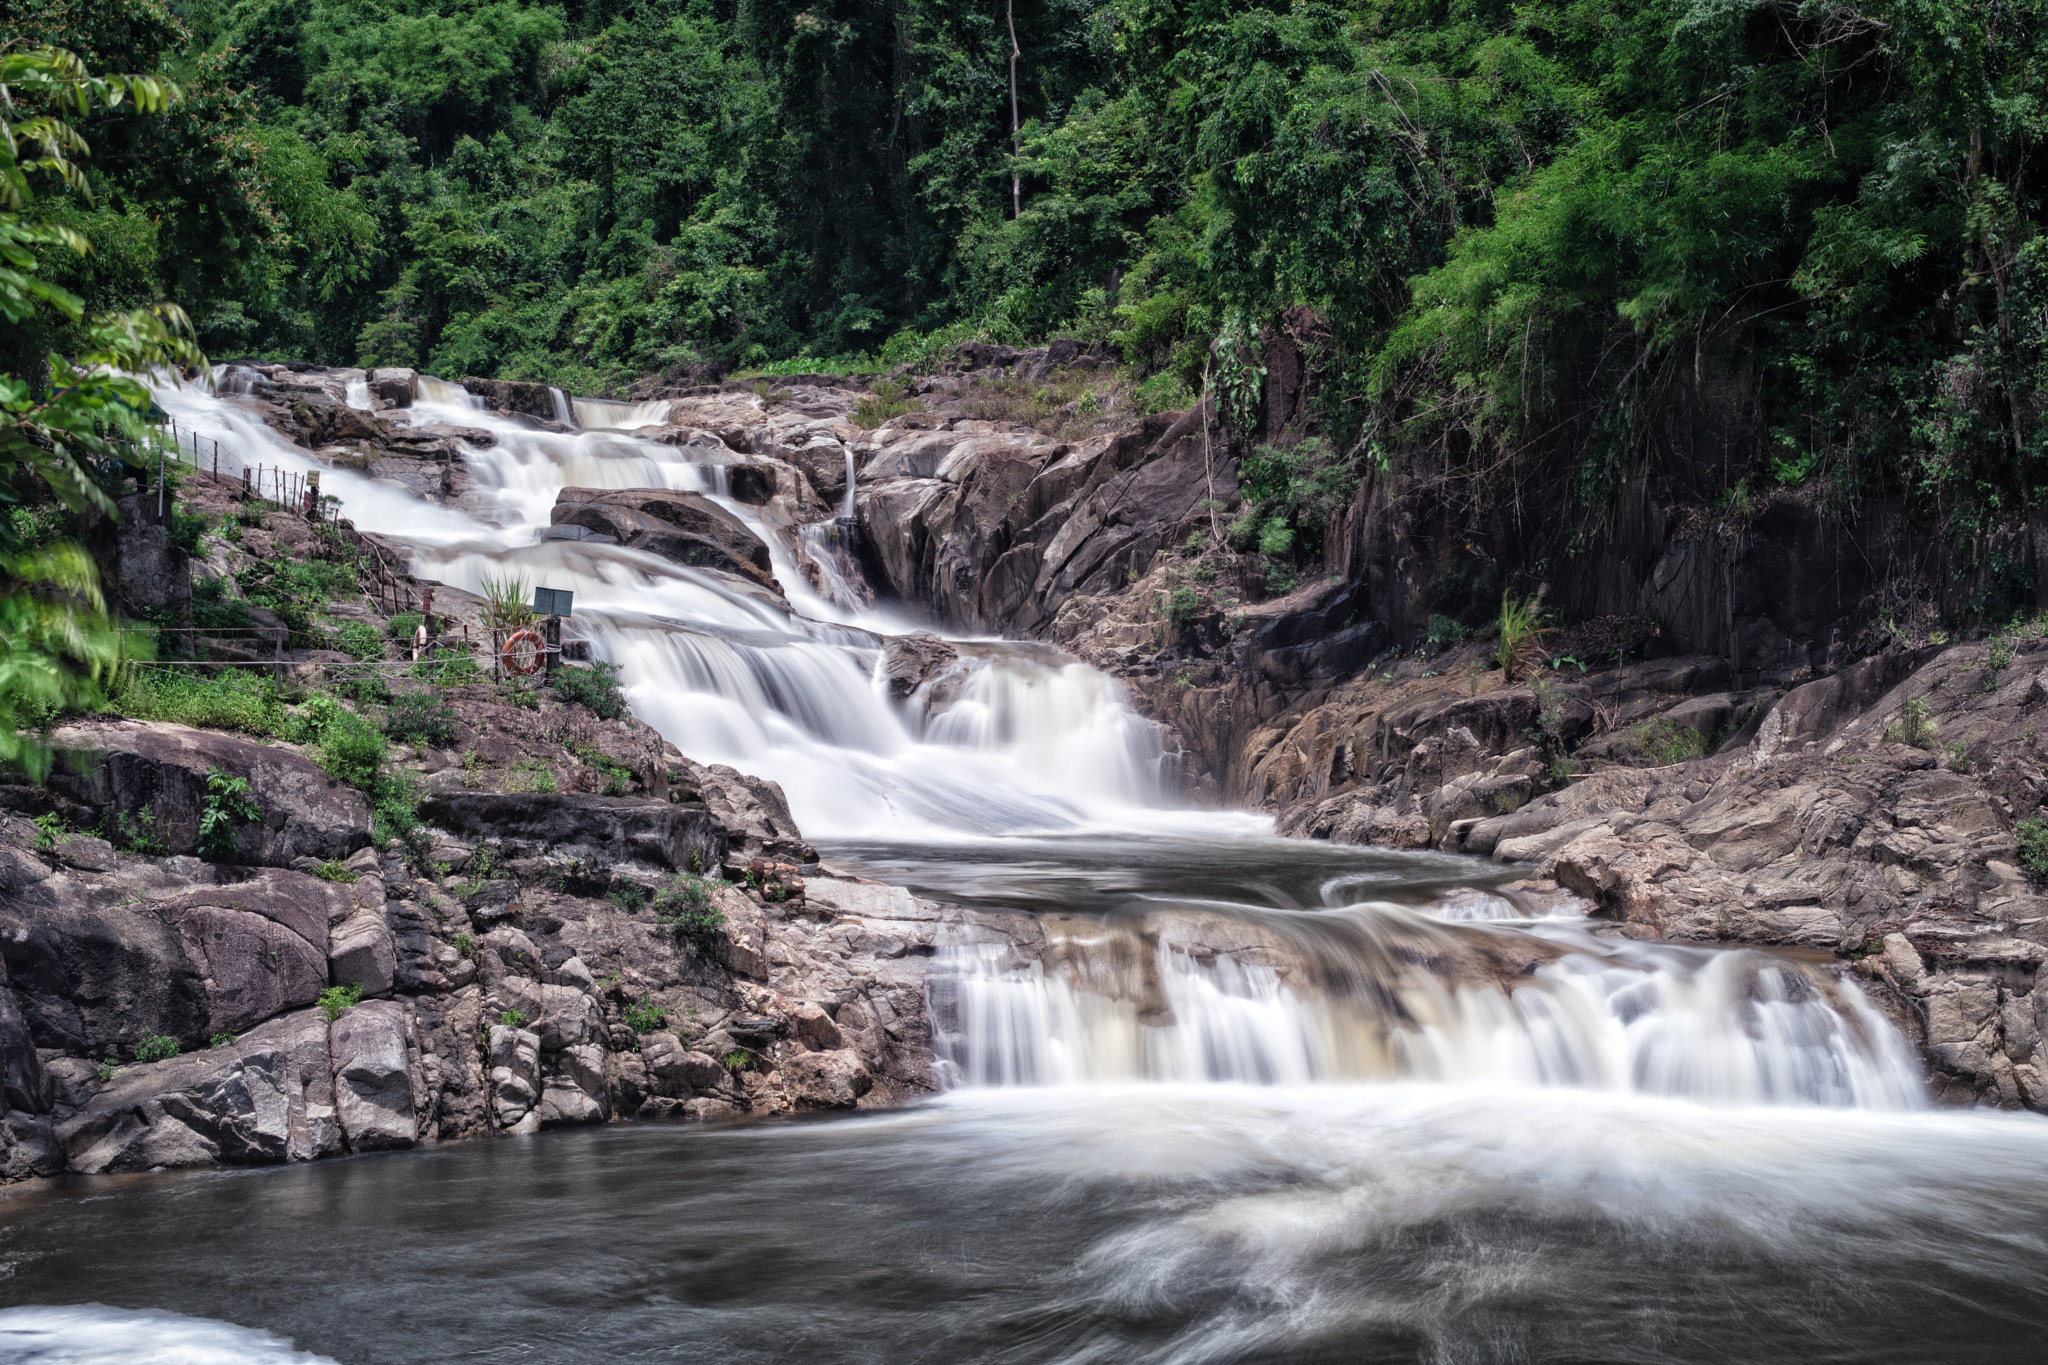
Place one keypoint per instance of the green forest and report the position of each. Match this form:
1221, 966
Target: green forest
1755, 242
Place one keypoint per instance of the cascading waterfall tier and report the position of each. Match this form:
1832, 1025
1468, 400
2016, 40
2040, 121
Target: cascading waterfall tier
783, 685
788, 685
1376, 991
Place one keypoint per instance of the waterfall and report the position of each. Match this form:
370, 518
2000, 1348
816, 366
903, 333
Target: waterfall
846, 508
564, 414
604, 412
358, 395
442, 393
783, 686
1190, 1000
1022, 740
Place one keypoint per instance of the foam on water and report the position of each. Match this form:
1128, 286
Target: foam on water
92, 1334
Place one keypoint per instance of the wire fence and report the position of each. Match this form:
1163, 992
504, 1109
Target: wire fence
291, 490
439, 656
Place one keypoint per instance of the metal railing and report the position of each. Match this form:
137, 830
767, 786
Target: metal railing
287, 490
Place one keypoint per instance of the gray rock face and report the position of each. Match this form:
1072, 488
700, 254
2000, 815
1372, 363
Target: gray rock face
515, 1073
513, 395
574, 1088
149, 573
910, 662
752, 811
373, 1092
100, 961
1869, 813
686, 528
510, 1011
267, 1097
363, 952
130, 767
827, 1080
995, 531
658, 834
394, 387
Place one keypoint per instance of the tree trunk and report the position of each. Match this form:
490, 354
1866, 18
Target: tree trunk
1016, 183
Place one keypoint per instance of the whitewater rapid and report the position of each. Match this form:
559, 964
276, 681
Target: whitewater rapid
786, 688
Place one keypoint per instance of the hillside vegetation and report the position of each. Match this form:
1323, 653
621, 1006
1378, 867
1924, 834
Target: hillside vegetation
1546, 246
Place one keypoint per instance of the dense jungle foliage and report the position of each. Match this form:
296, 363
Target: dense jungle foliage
1554, 243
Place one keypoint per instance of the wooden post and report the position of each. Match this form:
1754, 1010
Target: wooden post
554, 641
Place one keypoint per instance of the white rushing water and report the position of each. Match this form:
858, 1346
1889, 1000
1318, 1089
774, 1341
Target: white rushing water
790, 688
787, 688
92, 1334
1719, 1027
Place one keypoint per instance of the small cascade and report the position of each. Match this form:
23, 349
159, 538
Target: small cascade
829, 562
564, 414
606, 412
358, 396
445, 394
846, 508
728, 670
1376, 992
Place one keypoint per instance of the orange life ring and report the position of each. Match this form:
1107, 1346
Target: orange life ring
524, 651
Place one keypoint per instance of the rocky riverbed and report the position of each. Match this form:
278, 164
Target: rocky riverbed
512, 974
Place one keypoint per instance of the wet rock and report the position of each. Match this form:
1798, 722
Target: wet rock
394, 387
752, 812
912, 661
686, 528
514, 396
28, 1147
128, 767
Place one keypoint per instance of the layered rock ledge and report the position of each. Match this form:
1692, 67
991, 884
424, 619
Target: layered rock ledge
508, 972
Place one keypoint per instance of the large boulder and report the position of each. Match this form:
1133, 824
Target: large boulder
686, 528
752, 811
149, 778
514, 396
826, 1080
394, 386
322, 423
611, 828
266, 1097
372, 1081
258, 945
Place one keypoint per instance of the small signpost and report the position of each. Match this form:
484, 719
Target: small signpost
554, 604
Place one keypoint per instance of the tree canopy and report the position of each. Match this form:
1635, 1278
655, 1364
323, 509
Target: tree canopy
1743, 242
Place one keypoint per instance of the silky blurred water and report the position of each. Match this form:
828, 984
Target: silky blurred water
1253, 1100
